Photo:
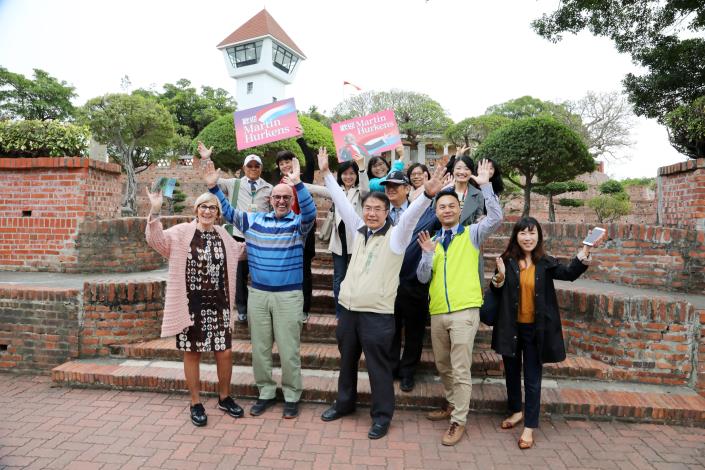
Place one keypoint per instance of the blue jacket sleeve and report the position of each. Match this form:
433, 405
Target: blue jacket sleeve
235, 216
308, 208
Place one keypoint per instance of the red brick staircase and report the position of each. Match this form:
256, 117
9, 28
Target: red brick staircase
581, 386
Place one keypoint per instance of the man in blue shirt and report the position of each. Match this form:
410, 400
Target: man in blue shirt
275, 246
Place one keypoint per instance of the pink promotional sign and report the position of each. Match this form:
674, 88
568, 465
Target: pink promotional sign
366, 135
265, 124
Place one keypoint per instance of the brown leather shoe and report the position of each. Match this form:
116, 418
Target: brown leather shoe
440, 415
453, 435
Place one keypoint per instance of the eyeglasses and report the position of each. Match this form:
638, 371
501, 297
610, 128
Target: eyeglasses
205, 208
373, 209
283, 198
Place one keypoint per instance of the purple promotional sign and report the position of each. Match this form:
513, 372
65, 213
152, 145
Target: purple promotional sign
265, 124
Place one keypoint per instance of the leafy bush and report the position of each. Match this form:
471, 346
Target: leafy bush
611, 187
570, 202
609, 207
220, 134
686, 126
648, 182
42, 139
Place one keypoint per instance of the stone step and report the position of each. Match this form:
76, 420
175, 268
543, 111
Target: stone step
571, 398
485, 362
320, 328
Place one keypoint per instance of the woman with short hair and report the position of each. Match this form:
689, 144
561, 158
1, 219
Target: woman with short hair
200, 294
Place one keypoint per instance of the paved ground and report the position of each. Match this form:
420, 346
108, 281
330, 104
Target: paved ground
46, 427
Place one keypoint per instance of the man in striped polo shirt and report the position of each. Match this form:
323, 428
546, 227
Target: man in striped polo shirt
275, 247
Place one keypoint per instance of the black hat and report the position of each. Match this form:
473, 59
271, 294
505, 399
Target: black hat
396, 177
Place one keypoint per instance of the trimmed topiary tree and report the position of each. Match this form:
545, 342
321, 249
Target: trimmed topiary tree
220, 134
539, 149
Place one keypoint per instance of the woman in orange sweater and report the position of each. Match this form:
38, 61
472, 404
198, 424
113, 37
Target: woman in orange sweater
527, 330
200, 294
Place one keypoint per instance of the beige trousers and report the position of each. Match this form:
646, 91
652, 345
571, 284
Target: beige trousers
452, 337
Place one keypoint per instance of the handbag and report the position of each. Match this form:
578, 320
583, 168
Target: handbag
490, 307
327, 227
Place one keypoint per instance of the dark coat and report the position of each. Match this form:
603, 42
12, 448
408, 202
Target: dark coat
549, 333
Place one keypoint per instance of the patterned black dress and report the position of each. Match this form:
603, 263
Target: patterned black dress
207, 292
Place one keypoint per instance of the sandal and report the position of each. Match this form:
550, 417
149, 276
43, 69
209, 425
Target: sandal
507, 424
524, 445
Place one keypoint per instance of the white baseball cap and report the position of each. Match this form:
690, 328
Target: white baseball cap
252, 158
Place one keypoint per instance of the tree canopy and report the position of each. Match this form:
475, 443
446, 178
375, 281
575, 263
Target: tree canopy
417, 114
192, 111
475, 130
130, 125
654, 33
539, 149
528, 106
40, 99
686, 128
220, 135
608, 120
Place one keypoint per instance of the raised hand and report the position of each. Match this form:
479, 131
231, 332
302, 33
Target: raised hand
460, 151
359, 159
323, 164
209, 174
155, 201
294, 175
399, 150
500, 266
484, 167
448, 181
426, 243
204, 151
435, 184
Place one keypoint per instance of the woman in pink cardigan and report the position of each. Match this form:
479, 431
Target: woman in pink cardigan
200, 294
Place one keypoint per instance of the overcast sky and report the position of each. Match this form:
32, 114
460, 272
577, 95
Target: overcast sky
467, 55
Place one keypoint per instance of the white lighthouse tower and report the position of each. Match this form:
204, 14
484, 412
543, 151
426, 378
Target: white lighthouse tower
262, 58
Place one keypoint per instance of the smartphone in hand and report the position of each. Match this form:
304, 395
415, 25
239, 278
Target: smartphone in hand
595, 234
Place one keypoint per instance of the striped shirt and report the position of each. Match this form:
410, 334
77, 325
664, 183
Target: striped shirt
275, 246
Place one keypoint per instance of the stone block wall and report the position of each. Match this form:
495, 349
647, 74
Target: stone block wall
120, 313
118, 246
42, 204
681, 194
647, 340
39, 328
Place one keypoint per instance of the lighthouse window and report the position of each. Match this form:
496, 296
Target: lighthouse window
283, 59
245, 54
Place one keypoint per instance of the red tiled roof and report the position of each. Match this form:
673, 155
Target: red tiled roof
262, 24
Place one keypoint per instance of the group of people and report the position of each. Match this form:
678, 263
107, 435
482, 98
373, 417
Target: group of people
406, 246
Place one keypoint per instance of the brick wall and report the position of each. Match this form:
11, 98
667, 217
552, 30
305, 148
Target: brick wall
645, 256
643, 201
681, 194
42, 203
118, 245
120, 313
39, 328
700, 356
188, 177
648, 340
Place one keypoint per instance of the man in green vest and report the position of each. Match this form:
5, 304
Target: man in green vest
450, 262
